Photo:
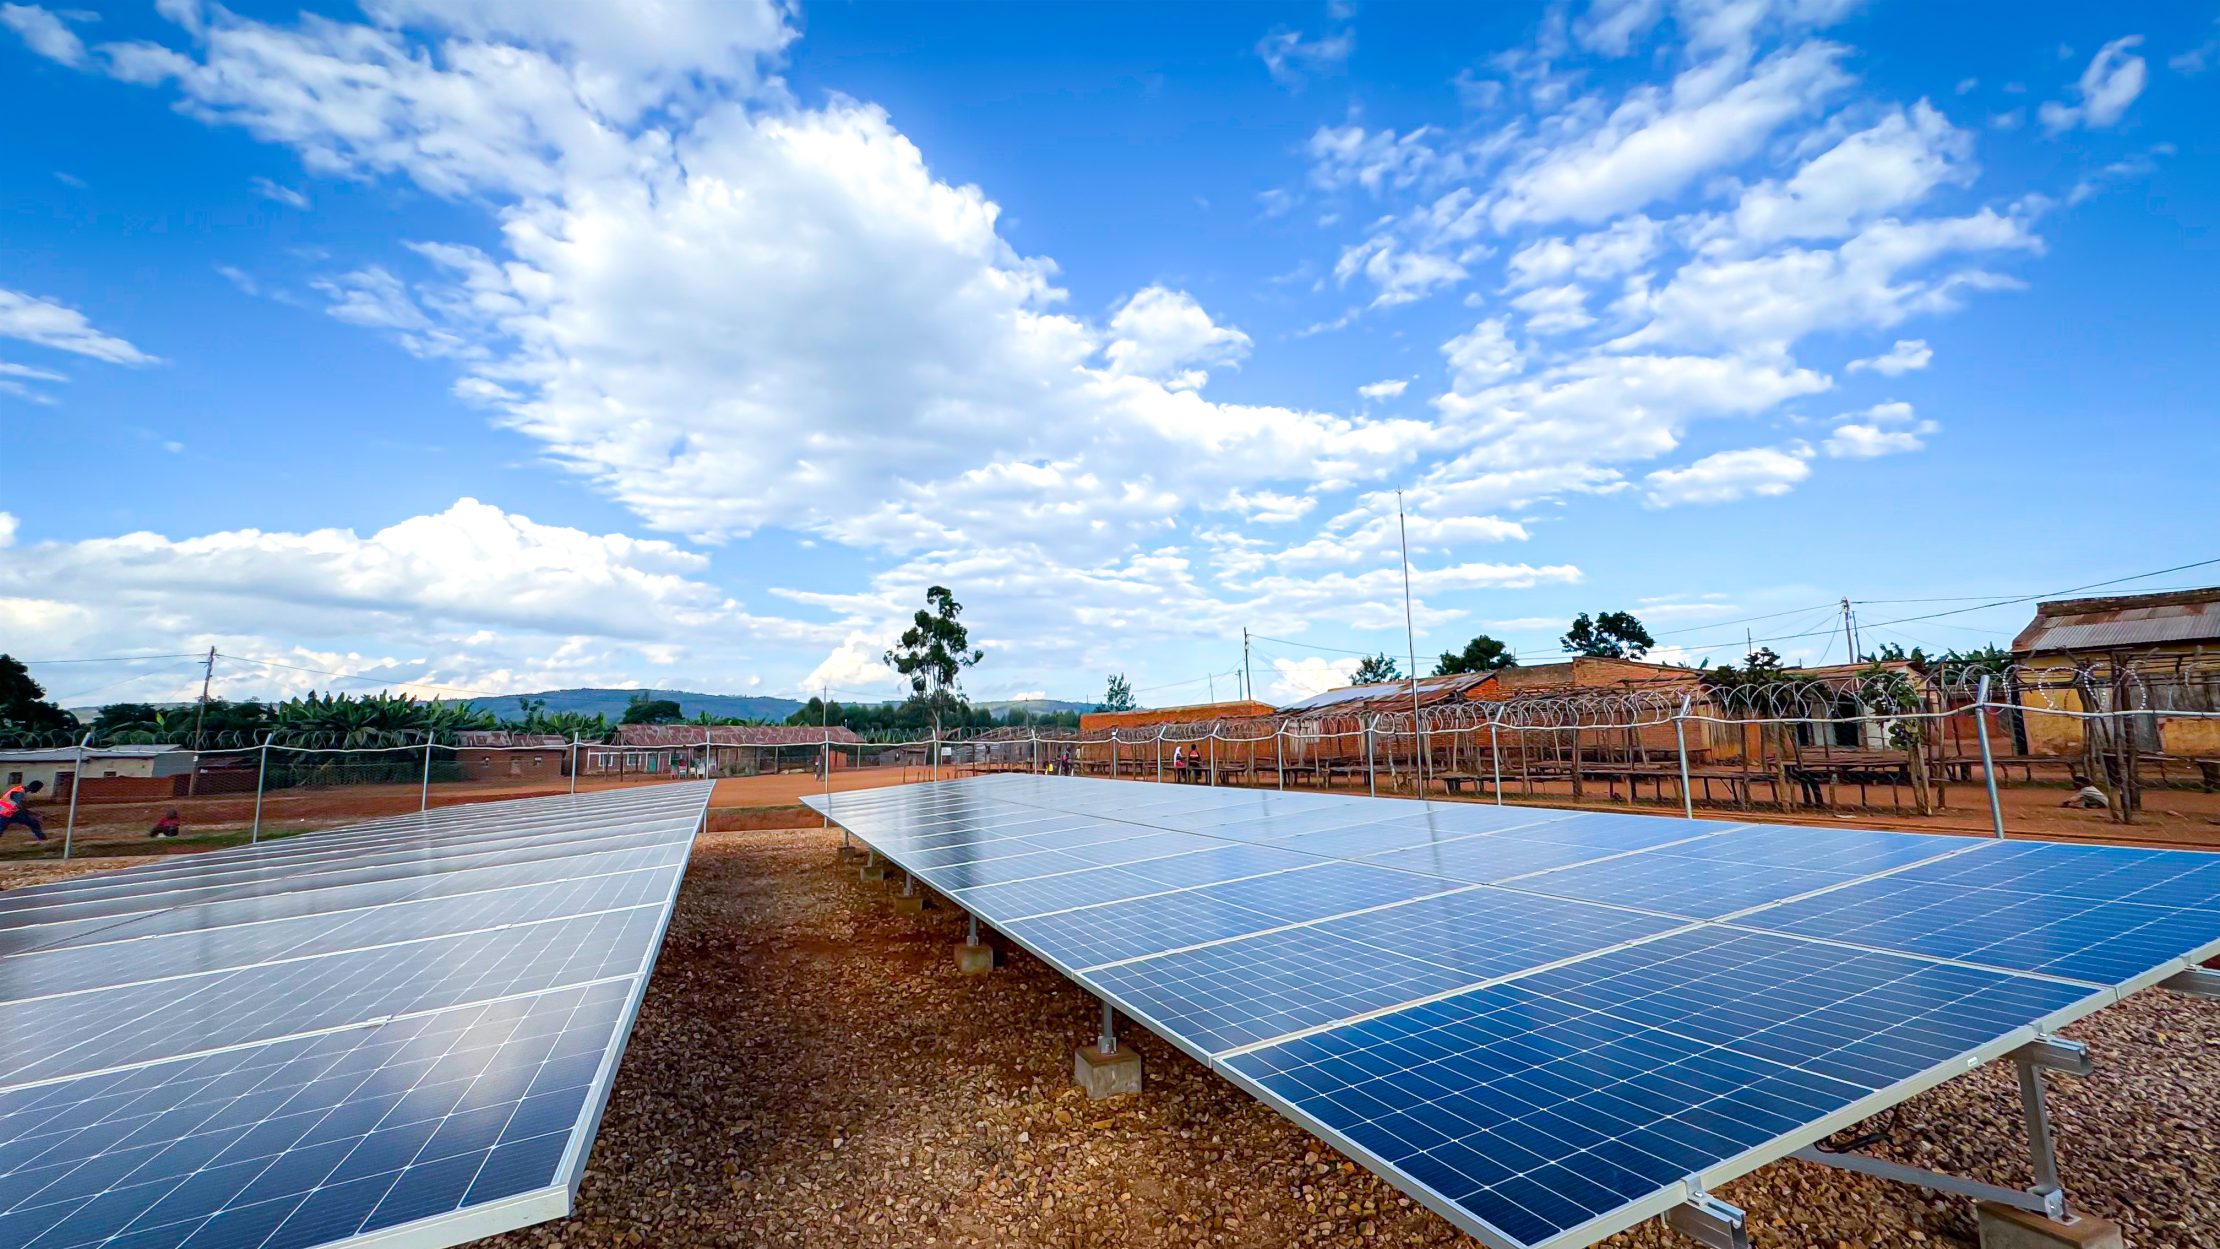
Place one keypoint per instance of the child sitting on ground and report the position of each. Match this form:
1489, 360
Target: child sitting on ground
168, 826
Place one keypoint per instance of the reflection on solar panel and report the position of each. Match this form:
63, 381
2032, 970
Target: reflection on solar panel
408, 1026
1548, 1026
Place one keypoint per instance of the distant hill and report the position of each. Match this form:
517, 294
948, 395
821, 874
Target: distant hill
611, 703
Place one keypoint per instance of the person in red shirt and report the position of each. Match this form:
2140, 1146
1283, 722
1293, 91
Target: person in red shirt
168, 826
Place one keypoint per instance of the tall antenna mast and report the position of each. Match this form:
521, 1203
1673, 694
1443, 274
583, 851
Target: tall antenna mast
1248, 675
1410, 640
1849, 638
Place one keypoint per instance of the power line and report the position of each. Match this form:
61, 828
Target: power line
113, 659
1313, 646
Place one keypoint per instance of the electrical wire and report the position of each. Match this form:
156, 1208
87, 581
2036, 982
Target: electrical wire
117, 659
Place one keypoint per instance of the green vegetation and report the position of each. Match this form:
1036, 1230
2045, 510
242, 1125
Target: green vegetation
932, 653
1609, 635
1375, 669
1481, 654
1119, 697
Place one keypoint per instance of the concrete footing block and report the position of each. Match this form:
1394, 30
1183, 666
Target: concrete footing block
850, 854
974, 960
875, 873
2003, 1227
1106, 1075
911, 903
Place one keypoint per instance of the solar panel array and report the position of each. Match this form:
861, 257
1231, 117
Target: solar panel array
406, 1027
1547, 1025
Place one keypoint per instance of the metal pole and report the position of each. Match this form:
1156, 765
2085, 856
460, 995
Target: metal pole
1108, 1042
1279, 752
824, 710
1371, 778
261, 774
424, 790
574, 763
934, 774
1160, 753
1410, 639
1495, 757
1680, 737
1988, 762
2040, 1144
76, 782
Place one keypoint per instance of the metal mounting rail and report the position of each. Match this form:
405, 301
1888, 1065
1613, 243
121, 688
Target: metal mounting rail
2201, 982
2045, 1197
1710, 1222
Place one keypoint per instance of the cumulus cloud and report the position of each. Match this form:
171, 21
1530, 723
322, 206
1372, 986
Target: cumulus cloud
1726, 476
2114, 78
1166, 335
1296, 679
1907, 356
1883, 429
8, 526
1390, 388
1879, 170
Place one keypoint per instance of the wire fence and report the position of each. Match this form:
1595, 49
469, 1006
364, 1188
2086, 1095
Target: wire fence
1887, 736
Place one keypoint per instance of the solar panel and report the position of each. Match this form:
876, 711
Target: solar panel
1549, 1026
407, 1027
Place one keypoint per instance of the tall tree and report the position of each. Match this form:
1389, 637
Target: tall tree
640, 709
933, 652
23, 702
1481, 654
1375, 669
1119, 697
1610, 635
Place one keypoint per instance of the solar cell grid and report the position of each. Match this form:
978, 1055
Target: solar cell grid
1547, 1060
283, 1047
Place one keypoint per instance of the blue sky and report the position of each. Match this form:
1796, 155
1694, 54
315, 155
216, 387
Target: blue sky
512, 345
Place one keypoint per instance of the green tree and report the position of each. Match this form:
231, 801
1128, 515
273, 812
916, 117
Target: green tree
1610, 635
1481, 654
932, 653
23, 704
641, 709
1375, 669
1119, 697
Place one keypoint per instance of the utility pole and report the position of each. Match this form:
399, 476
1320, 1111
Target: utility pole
1849, 638
200, 717
1248, 675
1410, 639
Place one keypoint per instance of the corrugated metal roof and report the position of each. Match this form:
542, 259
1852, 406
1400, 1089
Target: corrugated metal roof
67, 754
2155, 624
659, 735
1430, 690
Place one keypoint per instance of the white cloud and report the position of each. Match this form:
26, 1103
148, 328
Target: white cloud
1290, 58
1554, 309
1166, 335
1883, 429
1623, 247
50, 324
279, 193
2114, 78
1656, 143
1266, 507
8, 526
1294, 680
1611, 26
1376, 160
1402, 275
2193, 61
1389, 388
43, 33
1726, 476
1908, 355
1875, 171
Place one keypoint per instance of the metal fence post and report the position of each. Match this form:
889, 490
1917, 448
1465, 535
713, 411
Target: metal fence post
1680, 738
76, 782
1373, 784
1988, 761
424, 791
1495, 753
1279, 752
261, 777
574, 763
934, 763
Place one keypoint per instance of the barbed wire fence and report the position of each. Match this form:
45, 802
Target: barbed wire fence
1783, 741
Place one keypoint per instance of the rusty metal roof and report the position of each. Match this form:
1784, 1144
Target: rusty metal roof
2135, 620
660, 735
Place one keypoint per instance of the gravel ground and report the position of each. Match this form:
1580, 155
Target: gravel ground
810, 1070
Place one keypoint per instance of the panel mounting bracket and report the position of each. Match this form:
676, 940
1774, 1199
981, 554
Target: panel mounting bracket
2201, 982
1709, 1222
2045, 1197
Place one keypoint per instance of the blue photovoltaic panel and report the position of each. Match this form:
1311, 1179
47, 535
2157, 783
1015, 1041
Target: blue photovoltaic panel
411, 1023
1549, 1060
